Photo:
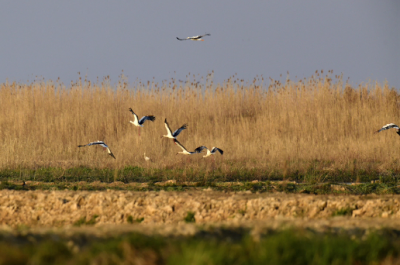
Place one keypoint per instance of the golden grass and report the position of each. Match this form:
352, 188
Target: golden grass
284, 127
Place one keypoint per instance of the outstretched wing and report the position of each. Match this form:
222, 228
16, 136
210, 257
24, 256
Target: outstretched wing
199, 149
198, 37
180, 39
134, 114
167, 127
144, 118
110, 153
215, 149
102, 144
178, 131
180, 145
389, 126
94, 143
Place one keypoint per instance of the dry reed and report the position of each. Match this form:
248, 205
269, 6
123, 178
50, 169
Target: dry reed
284, 127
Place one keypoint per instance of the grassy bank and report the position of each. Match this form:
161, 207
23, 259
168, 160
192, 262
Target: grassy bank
129, 174
221, 246
144, 179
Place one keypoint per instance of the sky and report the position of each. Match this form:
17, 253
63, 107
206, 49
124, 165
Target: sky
57, 39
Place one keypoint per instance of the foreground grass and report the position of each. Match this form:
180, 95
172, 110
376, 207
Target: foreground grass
219, 247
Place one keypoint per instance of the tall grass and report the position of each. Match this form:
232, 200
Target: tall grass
313, 124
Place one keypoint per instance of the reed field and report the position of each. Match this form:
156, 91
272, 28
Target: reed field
316, 126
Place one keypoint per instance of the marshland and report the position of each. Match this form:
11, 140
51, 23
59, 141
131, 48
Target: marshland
283, 142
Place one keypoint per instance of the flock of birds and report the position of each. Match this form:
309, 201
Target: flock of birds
170, 134
173, 135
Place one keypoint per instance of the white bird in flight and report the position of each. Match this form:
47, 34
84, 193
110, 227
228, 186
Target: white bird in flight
197, 38
389, 126
213, 151
101, 143
185, 151
139, 123
174, 134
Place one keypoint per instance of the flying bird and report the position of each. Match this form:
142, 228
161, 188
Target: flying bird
102, 144
213, 151
139, 123
169, 132
185, 151
389, 126
197, 38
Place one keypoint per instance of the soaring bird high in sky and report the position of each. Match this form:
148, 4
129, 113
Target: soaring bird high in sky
197, 38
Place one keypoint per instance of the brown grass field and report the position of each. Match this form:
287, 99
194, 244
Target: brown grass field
276, 127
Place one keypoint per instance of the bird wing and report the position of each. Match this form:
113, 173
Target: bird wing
167, 127
110, 153
104, 145
178, 131
89, 144
108, 149
180, 145
180, 39
134, 114
95, 143
215, 149
199, 149
199, 36
388, 126
144, 118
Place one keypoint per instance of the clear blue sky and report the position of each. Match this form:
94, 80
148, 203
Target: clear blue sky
52, 39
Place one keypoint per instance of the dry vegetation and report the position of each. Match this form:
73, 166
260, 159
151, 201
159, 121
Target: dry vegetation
66, 208
316, 122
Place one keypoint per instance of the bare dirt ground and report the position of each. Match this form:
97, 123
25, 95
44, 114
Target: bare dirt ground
45, 209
